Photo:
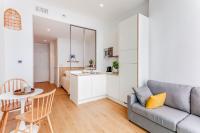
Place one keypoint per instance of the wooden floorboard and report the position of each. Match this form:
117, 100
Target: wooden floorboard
102, 116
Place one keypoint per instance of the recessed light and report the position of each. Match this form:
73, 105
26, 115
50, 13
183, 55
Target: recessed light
101, 5
48, 29
45, 40
64, 15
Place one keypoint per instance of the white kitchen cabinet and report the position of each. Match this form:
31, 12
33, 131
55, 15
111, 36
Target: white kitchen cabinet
87, 87
133, 54
113, 87
84, 87
99, 85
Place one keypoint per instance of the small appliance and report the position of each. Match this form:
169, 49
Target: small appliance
109, 69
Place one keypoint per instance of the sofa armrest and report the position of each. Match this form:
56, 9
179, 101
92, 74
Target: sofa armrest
131, 99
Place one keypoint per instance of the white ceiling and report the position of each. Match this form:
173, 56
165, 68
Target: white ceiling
56, 30
113, 9
41, 33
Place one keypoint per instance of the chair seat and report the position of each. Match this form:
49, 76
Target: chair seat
27, 116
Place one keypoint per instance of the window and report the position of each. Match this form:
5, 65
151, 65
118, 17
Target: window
12, 19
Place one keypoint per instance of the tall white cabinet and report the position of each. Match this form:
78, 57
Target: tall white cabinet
133, 54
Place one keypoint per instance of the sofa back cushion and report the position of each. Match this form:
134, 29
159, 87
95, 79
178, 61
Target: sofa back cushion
195, 101
178, 96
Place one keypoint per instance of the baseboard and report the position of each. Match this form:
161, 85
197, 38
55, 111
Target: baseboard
91, 99
117, 101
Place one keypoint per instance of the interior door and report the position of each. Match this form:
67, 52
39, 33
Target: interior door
41, 63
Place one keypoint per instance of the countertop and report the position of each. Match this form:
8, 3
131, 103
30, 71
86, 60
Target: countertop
111, 73
79, 73
86, 73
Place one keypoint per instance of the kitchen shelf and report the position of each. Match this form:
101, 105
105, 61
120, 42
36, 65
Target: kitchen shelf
114, 56
74, 61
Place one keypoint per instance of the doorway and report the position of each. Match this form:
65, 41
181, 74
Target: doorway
51, 48
41, 62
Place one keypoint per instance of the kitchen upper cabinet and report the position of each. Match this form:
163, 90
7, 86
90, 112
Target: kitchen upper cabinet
133, 54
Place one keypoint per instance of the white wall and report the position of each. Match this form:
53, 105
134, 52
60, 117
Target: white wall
56, 70
111, 40
53, 58
175, 41
63, 51
2, 57
19, 44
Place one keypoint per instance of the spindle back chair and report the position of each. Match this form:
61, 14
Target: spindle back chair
10, 105
41, 108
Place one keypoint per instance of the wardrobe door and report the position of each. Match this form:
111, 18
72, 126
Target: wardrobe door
128, 60
143, 50
128, 80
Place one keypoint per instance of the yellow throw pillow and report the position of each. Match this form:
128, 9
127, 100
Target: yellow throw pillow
156, 101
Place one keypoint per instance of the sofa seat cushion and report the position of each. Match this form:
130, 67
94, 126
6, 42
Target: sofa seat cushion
189, 125
164, 116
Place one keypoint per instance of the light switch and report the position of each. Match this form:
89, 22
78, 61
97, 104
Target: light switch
19, 61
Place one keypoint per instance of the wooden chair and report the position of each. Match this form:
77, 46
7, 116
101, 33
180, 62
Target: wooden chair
10, 105
41, 108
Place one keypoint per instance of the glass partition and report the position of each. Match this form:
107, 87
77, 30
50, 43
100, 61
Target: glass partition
82, 48
90, 49
77, 47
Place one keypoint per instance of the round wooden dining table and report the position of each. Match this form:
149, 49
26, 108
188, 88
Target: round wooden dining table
22, 99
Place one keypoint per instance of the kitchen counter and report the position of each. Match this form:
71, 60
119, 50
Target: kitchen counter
87, 73
85, 87
111, 73
80, 73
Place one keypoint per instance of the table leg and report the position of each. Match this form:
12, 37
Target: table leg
22, 124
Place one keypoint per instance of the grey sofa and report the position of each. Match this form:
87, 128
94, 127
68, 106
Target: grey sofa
180, 114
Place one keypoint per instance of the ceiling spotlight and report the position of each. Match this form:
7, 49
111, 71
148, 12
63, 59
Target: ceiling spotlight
101, 5
64, 15
48, 29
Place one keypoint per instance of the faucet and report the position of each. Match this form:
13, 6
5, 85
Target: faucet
91, 70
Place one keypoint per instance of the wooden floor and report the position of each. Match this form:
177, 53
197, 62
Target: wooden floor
103, 116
